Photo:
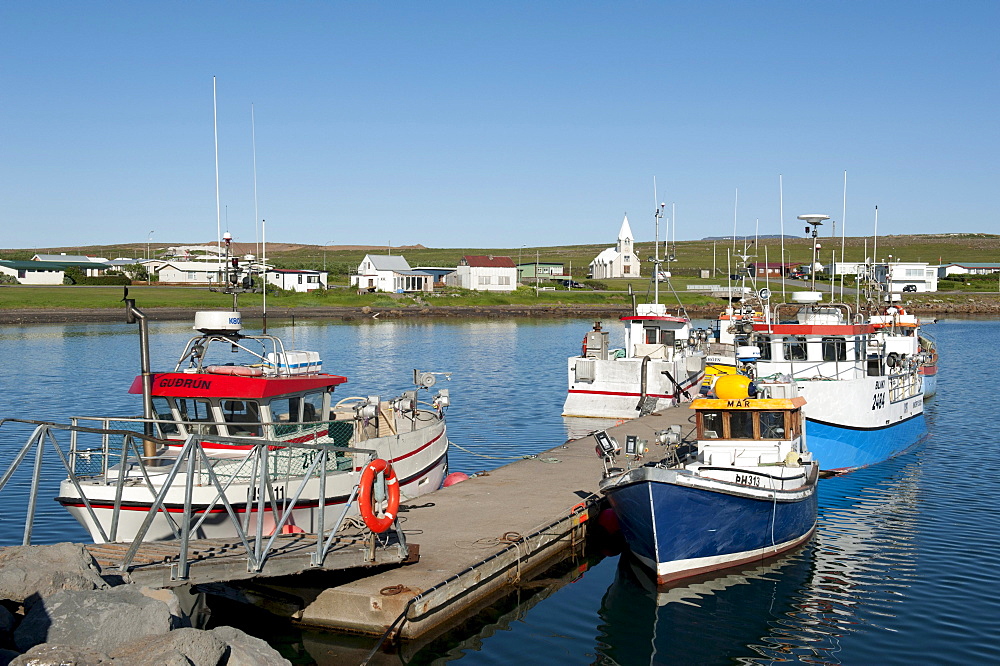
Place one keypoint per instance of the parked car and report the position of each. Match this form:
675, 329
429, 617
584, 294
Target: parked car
910, 287
572, 284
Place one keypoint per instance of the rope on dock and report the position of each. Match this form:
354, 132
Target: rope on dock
483, 455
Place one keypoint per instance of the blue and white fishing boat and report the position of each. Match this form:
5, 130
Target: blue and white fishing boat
744, 492
862, 369
860, 374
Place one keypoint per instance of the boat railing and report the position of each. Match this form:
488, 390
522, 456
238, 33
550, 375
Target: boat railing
905, 385
97, 460
253, 467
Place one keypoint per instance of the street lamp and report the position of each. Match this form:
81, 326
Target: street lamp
519, 269
814, 221
149, 239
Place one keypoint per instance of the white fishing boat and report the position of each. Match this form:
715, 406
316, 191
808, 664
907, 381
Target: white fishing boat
244, 431
661, 364
861, 369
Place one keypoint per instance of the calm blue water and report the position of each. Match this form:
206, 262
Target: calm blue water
904, 568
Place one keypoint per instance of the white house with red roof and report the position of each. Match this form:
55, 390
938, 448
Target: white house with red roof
619, 261
484, 273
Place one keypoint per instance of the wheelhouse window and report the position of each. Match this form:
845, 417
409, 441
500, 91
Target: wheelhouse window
286, 410
755, 425
162, 411
197, 411
711, 425
772, 425
312, 407
834, 349
763, 342
794, 348
741, 425
242, 417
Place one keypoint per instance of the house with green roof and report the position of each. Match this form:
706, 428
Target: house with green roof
33, 272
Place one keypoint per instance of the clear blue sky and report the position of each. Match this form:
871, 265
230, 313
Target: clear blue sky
493, 124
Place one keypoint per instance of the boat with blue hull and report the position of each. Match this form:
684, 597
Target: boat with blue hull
862, 374
746, 490
853, 448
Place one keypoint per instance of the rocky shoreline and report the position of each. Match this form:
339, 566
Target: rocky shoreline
973, 305
58, 607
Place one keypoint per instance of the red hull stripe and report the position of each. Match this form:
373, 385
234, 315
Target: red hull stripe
411, 453
680, 320
623, 393
629, 394
928, 370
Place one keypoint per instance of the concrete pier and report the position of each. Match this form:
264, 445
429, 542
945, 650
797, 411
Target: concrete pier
481, 536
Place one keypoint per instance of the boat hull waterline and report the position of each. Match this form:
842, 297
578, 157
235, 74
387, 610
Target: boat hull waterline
680, 525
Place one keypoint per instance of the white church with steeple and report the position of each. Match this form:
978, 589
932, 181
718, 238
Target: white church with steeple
619, 261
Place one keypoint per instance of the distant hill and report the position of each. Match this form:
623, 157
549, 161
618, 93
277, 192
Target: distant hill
747, 238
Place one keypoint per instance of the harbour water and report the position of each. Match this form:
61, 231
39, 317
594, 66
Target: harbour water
902, 570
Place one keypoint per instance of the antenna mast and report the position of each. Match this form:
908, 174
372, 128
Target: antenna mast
256, 213
218, 207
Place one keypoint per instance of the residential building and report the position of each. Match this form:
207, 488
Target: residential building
33, 272
484, 273
296, 280
618, 261
437, 273
848, 267
967, 268
541, 270
90, 266
899, 275
390, 273
185, 272
773, 270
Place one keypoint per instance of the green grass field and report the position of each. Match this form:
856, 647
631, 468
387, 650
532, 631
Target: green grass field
692, 258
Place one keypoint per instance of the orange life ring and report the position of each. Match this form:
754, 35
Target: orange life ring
367, 484
583, 353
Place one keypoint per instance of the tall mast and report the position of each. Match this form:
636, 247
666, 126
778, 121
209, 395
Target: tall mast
218, 207
256, 213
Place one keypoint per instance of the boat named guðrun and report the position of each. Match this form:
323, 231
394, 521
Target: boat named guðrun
746, 490
861, 375
269, 401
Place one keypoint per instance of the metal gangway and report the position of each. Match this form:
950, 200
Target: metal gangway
186, 558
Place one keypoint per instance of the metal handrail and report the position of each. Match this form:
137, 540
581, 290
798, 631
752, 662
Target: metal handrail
193, 457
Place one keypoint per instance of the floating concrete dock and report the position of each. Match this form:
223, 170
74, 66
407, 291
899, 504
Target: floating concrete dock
481, 536
224, 560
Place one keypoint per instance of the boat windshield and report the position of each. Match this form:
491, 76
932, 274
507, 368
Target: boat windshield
242, 417
162, 412
741, 425
197, 410
772, 425
711, 423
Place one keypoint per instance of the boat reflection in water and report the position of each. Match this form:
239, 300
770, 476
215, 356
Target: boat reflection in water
796, 607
